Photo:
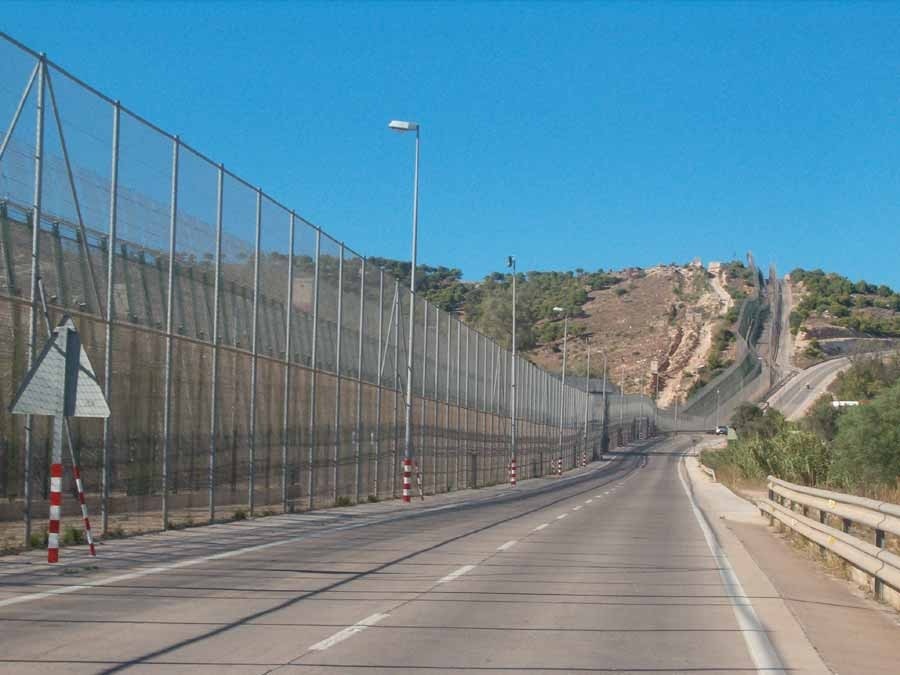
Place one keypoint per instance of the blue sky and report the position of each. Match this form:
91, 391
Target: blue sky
581, 135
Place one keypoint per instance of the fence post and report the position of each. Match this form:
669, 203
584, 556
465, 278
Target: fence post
170, 290
359, 373
286, 408
397, 388
35, 274
336, 450
254, 358
447, 417
434, 433
214, 387
466, 456
423, 415
458, 408
380, 364
310, 484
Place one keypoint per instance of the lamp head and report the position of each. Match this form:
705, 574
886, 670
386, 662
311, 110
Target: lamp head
399, 125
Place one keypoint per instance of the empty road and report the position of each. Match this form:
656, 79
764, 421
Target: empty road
606, 570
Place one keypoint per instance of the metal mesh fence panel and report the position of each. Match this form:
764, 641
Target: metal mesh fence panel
251, 362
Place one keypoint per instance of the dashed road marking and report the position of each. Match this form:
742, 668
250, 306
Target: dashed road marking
540, 527
561, 516
577, 508
589, 501
456, 573
350, 631
508, 545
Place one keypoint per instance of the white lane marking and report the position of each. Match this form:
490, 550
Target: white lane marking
165, 568
350, 631
561, 516
577, 508
589, 501
540, 527
607, 492
764, 655
456, 573
508, 545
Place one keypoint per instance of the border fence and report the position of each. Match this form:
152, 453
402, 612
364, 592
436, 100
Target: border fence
252, 362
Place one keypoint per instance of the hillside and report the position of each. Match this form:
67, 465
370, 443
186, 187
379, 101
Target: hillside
680, 316
833, 315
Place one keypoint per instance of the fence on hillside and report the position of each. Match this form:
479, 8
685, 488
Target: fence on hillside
251, 361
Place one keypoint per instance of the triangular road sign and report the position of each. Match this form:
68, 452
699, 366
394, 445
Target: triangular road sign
61, 380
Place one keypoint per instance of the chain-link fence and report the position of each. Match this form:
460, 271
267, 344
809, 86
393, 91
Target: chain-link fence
252, 363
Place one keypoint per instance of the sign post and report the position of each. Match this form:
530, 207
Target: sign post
61, 384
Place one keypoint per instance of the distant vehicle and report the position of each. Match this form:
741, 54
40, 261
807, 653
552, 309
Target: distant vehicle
721, 430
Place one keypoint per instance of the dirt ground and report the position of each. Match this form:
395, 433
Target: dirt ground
663, 314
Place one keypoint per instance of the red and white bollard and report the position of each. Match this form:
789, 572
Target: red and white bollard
84, 513
55, 504
512, 473
407, 475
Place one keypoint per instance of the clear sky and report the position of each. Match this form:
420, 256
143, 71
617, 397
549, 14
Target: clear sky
581, 135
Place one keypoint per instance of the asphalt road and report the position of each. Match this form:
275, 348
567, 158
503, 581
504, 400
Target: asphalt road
794, 398
612, 569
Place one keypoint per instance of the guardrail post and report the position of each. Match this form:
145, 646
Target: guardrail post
879, 584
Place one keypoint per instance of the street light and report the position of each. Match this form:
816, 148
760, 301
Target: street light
397, 125
511, 263
562, 386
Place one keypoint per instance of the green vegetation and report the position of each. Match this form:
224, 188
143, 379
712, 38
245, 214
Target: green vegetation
852, 305
487, 304
854, 449
343, 501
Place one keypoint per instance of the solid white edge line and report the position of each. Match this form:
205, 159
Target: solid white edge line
165, 568
765, 656
350, 631
456, 573
540, 527
507, 545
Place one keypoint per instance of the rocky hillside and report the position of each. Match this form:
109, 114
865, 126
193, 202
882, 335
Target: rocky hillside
678, 318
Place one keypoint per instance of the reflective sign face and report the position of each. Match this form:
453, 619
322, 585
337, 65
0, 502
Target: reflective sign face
61, 380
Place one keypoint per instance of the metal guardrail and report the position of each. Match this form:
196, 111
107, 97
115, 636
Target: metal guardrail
883, 517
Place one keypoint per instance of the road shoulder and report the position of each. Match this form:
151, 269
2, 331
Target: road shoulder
722, 508
848, 633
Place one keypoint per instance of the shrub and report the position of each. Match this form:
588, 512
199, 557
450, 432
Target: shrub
342, 501
239, 514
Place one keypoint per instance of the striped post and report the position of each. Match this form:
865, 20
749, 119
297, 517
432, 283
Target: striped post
512, 473
559, 466
55, 504
584, 458
84, 513
407, 474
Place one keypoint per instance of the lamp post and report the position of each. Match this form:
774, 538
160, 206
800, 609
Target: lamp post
511, 263
407, 431
562, 386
